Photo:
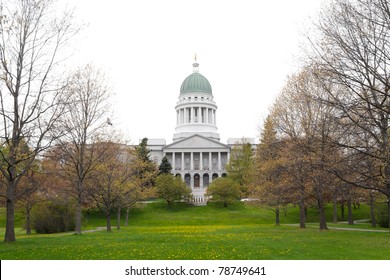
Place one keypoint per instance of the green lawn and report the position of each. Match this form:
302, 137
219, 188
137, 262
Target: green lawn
212, 232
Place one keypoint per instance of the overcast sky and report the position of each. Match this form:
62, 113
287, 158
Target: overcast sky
246, 49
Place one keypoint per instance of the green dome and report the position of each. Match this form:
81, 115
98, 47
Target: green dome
195, 83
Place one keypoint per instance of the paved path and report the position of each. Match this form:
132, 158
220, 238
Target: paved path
94, 230
341, 228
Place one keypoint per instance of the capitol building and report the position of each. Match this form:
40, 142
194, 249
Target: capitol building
196, 154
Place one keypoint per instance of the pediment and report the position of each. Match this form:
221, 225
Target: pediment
197, 142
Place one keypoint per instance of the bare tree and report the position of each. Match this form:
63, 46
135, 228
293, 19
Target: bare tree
84, 123
306, 122
271, 186
30, 91
110, 183
353, 51
29, 194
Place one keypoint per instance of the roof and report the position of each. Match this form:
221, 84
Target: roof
156, 142
195, 83
197, 141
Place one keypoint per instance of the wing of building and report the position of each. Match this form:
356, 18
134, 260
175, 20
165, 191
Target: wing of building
196, 154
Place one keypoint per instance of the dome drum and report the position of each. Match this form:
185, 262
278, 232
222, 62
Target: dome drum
196, 109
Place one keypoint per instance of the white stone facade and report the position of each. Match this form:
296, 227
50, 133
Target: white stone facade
198, 161
196, 155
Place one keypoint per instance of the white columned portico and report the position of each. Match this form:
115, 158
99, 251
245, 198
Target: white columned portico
210, 161
192, 161
173, 161
201, 161
219, 161
182, 161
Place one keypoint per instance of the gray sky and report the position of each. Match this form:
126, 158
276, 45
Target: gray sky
245, 49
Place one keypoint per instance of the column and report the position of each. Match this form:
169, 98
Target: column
219, 161
182, 161
201, 161
192, 115
200, 115
207, 115
192, 161
173, 161
210, 161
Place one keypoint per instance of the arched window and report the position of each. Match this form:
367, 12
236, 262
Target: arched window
206, 180
187, 179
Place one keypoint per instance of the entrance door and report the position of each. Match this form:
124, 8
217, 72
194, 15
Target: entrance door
196, 181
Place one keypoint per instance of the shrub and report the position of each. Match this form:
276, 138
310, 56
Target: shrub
54, 216
171, 188
383, 216
225, 190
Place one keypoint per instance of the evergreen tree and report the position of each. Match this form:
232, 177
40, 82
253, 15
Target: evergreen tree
165, 166
145, 170
142, 150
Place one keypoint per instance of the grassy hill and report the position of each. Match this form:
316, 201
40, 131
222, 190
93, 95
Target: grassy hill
240, 231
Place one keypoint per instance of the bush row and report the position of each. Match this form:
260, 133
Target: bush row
54, 216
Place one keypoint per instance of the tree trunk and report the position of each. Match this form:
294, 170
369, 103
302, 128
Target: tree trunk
225, 204
108, 221
277, 214
388, 209
78, 217
127, 216
372, 210
350, 218
342, 211
118, 220
79, 207
302, 215
10, 216
302, 209
28, 221
335, 210
322, 217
